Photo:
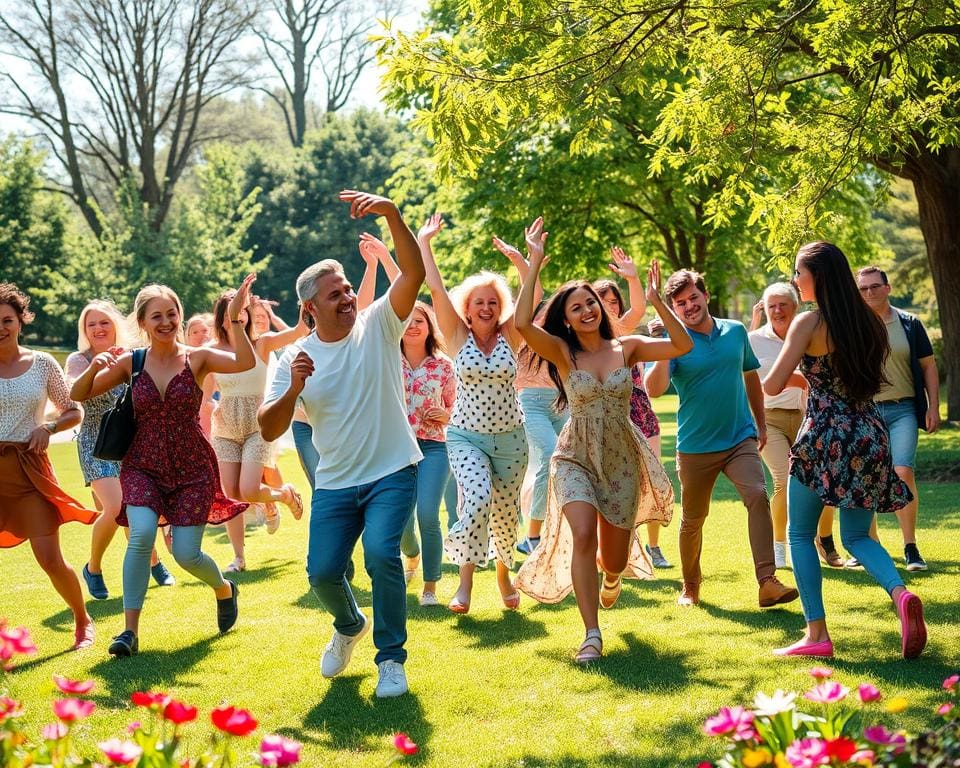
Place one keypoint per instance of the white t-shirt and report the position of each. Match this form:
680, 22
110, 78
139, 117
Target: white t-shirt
766, 346
354, 400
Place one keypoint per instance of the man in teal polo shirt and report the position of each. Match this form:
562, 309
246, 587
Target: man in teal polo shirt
719, 389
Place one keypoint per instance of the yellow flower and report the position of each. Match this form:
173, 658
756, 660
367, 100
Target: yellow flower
781, 761
897, 704
754, 758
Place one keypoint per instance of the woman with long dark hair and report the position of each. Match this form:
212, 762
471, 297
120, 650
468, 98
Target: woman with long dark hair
604, 479
842, 455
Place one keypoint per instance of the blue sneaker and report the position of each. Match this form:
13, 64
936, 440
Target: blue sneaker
656, 557
162, 575
529, 544
95, 584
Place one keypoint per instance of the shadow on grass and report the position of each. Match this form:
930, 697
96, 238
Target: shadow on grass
678, 756
510, 628
346, 720
364, 597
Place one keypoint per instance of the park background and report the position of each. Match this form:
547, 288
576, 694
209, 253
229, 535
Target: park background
189, 141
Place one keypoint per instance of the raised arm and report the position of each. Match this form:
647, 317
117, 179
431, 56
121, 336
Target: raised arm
378, 247
403, 293
798, 339
207, 360
509, 328
106, 370
451, 324
368, 283
678, 341
623, 266
271, 341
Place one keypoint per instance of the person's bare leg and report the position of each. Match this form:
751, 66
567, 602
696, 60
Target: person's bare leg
582, 518
465, 589
107, 499
46, 550
907, 517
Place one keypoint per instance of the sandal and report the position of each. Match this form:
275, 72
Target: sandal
238, 564
591, 649
511, 602
610, 592
271, 517
457, 607
295, 503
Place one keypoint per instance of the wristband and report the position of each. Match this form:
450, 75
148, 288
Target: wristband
50, 426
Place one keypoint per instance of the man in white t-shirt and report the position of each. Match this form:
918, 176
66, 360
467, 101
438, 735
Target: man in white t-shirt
348, 377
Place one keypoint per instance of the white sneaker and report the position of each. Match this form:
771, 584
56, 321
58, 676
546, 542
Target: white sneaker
337, 654
428, 599
393, 680
780, 554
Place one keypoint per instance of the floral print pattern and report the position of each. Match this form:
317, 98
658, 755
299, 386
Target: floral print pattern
93, 411
430, 385
641, 411
843, 450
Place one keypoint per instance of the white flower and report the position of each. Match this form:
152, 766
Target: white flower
769, 706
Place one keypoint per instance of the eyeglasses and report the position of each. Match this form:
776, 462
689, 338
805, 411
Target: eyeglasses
796, 273
871, 288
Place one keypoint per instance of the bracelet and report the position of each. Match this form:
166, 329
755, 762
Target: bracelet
50, 426
238, 321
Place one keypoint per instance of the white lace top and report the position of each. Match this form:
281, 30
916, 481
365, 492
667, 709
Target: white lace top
250, 383
23, 399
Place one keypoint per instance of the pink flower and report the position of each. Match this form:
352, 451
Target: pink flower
54, 731
133, 727
9, 708
276, 751
827, 693
71, 710
951, 682
73, 686
808, 753
821, 673
13, 641
863, 757
945, 709
404, 744
178, 713
868, 693
877, 734
236, 722
735, 722
120, 752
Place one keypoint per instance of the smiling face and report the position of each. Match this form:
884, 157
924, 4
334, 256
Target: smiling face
417, 331
780, 311
9, 326
261, 318
333, 306
483, 308
690, 304
161, 320
582, 311
611, 303
198, 333
100, 331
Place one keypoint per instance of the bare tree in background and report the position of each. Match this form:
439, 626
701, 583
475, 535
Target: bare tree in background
116, 87
303, 38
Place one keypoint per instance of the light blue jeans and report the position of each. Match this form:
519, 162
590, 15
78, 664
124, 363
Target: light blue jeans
378, 512
451, 501
900, 419
309, 458
803, 512
432, 475
543, 424
186, 551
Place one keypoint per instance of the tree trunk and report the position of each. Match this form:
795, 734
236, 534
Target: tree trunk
936, 180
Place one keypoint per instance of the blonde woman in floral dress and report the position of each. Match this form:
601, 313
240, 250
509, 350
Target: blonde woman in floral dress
604, 479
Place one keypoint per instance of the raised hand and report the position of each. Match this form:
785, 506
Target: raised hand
536, 240
372, 249
431, 228
241, 299
511, 252
622, 264
366, 203
300, 370
653, 282
106, 359
756, 316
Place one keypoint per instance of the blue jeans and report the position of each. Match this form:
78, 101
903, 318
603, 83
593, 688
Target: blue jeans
803, 509
377, 511
543, 424
900, 419
309, 458
432, 475
451, 500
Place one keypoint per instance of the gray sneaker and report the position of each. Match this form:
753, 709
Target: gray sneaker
337, 654
656, 557
393, 680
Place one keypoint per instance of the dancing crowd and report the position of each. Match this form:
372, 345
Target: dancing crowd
492, 406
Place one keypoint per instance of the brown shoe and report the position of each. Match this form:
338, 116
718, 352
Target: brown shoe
689, 595
831, 557
772, 592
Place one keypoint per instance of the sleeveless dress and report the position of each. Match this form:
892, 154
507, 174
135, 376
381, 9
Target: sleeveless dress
233, 426
600, 458
842, 452
93, 410
641, 411
170, 467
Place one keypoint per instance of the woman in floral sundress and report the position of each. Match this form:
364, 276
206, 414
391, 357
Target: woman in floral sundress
604, 479
842, 455
169, 474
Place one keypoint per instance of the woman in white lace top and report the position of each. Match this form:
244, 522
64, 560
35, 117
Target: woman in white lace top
32, 504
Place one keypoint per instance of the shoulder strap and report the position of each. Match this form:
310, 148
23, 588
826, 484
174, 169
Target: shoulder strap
139, 358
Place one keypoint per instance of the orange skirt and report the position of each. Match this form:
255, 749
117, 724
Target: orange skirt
32, 504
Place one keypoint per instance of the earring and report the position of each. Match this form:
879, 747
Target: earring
567, 325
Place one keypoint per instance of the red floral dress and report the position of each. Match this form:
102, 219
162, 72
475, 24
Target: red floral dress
170, 466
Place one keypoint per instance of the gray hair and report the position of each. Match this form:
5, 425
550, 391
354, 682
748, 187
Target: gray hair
782, 289
307, 282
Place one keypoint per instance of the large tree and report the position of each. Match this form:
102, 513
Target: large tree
116, 88
829, 86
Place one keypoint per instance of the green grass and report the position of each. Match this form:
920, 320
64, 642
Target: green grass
491, 688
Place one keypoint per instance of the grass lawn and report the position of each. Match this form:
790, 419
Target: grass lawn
492, 688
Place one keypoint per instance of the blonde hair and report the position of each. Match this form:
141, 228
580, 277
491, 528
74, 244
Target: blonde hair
117, 317
200, 317
460, 296
147, 294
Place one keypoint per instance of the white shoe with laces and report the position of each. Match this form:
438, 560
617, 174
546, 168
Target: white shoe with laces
780, 554
337, 654
429, 599
393, 680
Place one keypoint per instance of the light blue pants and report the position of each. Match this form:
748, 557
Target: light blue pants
432, 475
309, 458
186, 551
803, 513
543, 424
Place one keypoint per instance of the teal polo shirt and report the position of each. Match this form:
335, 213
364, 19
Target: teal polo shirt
714, 412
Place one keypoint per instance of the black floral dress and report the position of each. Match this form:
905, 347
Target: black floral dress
842, 452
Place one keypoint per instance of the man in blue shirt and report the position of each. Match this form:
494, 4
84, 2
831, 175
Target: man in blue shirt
719, 388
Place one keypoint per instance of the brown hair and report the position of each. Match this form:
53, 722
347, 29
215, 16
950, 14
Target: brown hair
682, 279
434, 341
220, 313
18, 300
874, 270
605, 286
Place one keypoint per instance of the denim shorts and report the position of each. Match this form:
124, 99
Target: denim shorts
900, 418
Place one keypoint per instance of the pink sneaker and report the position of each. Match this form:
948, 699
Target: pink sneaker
912, 629
822, 649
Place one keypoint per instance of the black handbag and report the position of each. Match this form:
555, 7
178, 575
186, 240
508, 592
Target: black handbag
119, 424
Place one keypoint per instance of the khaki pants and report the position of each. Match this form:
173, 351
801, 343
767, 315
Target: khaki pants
783, 424
698, 473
